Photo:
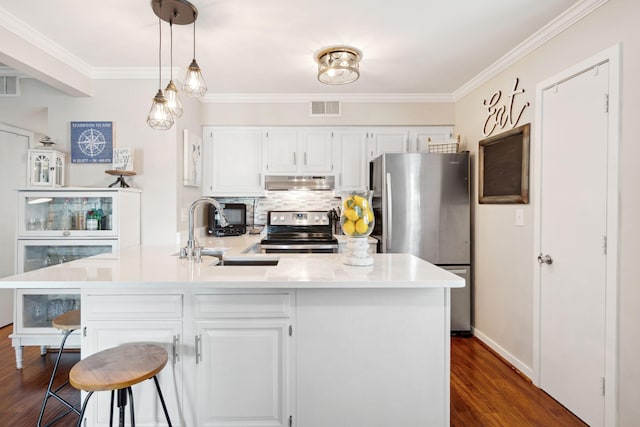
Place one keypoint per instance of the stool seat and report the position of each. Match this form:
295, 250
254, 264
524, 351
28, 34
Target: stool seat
69, 321
118, 367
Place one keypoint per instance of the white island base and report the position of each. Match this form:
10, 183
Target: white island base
257, 357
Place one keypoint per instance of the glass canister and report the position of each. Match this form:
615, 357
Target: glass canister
357, 221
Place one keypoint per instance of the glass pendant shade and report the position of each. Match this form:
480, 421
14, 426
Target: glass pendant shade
338, 65
160, 116
194, 84
173, 101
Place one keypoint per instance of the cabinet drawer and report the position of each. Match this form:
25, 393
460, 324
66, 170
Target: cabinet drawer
137, 306
242, 305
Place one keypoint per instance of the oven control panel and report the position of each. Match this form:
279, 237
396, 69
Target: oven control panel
298, 218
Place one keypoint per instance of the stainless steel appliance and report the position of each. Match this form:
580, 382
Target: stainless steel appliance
421, 202
236, 214
299, 232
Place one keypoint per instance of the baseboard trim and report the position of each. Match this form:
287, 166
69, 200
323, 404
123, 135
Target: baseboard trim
507, 357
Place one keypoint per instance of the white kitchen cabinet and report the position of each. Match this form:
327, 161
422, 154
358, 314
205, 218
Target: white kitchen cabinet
242, 372
242, 359
351, 159
420, 137
387, 140
299, 151
233, 162
108, 321
52, 229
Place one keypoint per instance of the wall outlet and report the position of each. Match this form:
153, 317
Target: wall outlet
520, 217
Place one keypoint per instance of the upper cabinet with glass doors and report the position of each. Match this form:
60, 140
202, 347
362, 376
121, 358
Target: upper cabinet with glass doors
77, 212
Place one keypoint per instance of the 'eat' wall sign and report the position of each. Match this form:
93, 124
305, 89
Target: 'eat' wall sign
499, 116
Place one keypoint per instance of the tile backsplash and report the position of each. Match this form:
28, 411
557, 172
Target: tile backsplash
257, 207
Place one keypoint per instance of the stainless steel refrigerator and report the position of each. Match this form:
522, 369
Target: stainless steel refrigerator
421, 203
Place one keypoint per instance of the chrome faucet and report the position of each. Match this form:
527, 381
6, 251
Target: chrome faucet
192, 251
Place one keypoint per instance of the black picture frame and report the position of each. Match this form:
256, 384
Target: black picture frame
503, 167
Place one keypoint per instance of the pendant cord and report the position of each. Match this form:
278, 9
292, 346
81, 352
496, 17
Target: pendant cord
160, 53
194, 36
171, 44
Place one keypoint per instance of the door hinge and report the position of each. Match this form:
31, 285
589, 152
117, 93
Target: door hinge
290, 420
290, 330
604, 244
84, 331
602, 381
606, 102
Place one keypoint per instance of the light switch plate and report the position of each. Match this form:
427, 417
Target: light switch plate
520, 217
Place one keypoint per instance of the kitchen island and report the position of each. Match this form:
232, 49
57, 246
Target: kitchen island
307, 342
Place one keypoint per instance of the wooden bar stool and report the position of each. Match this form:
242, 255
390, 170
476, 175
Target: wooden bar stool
67, 323
117, 369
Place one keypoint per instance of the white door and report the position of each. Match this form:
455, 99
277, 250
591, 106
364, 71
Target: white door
573, 227
13, 173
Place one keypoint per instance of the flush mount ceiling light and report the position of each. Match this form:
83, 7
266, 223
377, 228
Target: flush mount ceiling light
338, 65
167, 106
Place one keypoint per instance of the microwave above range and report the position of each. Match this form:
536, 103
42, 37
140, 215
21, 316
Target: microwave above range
236, 214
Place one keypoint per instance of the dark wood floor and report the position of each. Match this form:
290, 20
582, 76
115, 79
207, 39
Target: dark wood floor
484, 390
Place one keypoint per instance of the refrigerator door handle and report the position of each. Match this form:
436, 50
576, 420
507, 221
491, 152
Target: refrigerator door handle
389, 213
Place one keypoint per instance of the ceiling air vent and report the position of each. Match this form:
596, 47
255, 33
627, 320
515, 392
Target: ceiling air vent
8, 86
325, 108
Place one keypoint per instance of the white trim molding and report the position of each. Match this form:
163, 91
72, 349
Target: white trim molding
297, 98
510, 358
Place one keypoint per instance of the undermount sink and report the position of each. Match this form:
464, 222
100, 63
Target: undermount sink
254, 260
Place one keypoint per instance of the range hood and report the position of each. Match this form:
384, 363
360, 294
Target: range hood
312, 183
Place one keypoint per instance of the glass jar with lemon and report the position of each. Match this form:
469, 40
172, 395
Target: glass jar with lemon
357, 221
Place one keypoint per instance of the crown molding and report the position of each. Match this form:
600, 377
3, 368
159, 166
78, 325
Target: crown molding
297, 98
562, 22
21, 29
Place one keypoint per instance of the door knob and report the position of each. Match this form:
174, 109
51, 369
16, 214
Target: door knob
546, 259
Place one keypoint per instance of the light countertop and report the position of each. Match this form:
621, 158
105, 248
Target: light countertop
157, 267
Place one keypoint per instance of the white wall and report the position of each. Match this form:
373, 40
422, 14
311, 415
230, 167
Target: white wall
504, 253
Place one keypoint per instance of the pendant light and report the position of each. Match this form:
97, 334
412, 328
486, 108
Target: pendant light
194, 84
159, 116
171, 92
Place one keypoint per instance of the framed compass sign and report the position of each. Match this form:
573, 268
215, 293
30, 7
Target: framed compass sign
91, 142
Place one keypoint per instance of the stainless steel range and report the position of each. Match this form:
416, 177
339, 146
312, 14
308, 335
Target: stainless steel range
299, 232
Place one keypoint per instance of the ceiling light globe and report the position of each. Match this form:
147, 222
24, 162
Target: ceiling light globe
194, 84
159, 116
338, 65
173, 101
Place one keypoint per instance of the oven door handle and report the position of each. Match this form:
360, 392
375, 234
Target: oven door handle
294, 247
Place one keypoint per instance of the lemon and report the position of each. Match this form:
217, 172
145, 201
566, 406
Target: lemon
351, 214
349, 228
348, 203
369, 215
361, 226
358, 200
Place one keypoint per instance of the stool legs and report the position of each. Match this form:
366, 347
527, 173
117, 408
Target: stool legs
53, 393
122, 403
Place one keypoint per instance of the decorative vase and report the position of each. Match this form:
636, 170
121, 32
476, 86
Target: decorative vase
357, 221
